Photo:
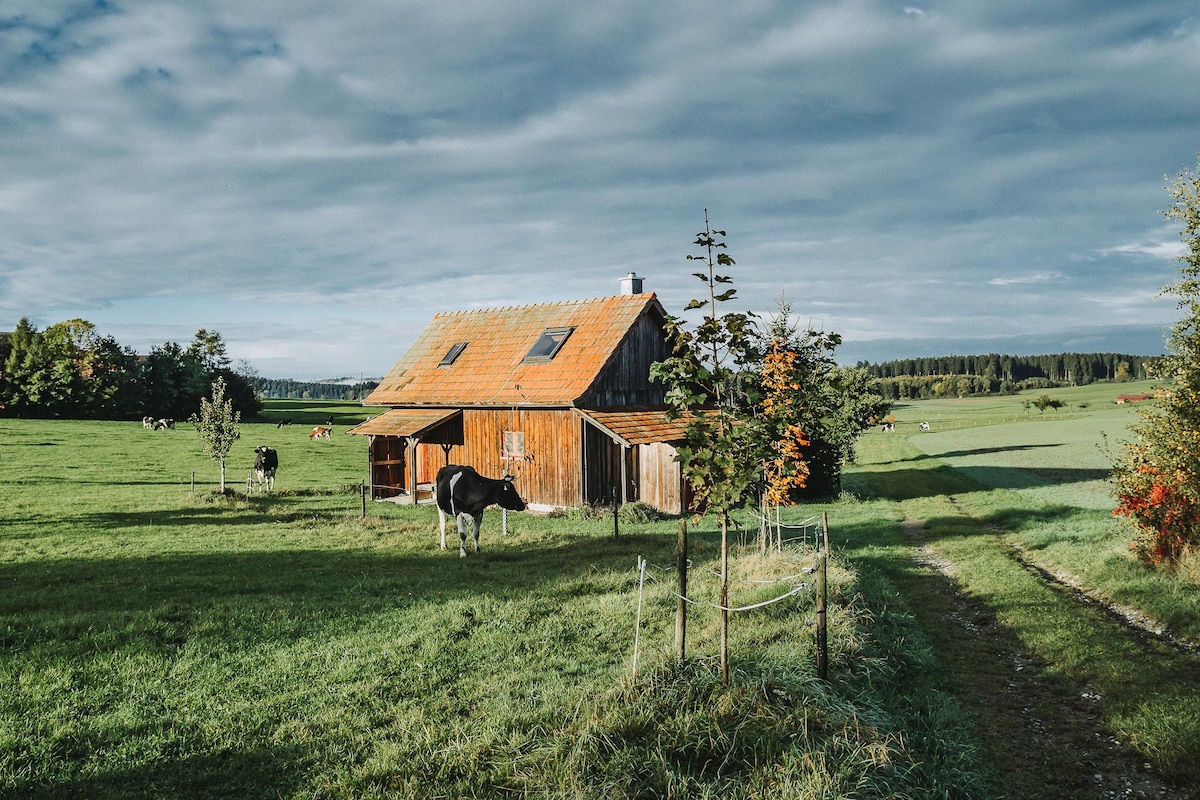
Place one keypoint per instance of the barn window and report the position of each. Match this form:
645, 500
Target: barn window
454, 352
514, 444
548, 344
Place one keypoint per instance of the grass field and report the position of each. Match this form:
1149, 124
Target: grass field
159, 640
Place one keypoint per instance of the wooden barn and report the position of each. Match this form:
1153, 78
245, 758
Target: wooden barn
557, 394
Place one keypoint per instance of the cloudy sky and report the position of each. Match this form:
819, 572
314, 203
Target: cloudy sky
316, 180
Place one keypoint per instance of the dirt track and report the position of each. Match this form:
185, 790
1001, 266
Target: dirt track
1046, 737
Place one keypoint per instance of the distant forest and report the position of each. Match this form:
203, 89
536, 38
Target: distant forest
959, 376
287, 389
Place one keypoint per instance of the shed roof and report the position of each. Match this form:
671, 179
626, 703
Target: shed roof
404, 421
493, 369
638, 426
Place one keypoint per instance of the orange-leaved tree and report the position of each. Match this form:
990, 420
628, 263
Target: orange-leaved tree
786, 467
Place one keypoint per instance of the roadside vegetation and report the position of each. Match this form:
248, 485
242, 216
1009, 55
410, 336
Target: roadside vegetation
1158, 473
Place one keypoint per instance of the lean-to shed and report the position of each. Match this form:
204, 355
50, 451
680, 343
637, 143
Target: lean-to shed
558, 394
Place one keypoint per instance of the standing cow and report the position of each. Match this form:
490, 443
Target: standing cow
266, 464
463, 494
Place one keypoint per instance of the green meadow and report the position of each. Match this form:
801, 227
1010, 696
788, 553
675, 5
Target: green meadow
159, 639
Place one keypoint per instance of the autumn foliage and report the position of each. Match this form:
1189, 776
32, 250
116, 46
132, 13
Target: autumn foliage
786, 468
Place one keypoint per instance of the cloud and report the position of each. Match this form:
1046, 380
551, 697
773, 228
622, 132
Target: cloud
1024, 280
899, 171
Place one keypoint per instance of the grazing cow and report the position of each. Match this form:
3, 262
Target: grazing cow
924, 426
148, 422
266, 464
319, 431
463, 494
284, 421
163, 424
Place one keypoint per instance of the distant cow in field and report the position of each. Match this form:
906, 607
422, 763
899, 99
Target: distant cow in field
924, 426
164, 424
266, 464
284, 421
320, 431
148, 422
463, 493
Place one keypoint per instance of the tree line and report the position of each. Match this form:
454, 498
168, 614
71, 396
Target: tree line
993, 373
288, 389
71, 371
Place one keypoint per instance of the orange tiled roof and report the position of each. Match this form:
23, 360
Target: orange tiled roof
490, 372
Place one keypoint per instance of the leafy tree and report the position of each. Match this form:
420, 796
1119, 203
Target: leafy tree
1157, 475
217, 423
171, 382
208, 348
786, 469
91, 374
240, 389
720, 456
1046, 401
24, 362
831, 404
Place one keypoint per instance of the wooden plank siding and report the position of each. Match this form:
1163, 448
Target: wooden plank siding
549, 475
662, 484
624, 380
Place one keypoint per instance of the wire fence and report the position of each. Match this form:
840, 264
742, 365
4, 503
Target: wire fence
792, 584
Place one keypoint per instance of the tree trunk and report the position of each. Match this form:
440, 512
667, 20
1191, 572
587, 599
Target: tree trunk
724, 602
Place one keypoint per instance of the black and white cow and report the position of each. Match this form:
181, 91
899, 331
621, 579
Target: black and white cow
463, 493
266, 464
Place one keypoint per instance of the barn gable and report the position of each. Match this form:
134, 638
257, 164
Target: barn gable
558, 394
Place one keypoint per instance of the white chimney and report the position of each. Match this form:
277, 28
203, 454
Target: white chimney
631, 284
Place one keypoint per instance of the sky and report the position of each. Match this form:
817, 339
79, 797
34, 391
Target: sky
316, 180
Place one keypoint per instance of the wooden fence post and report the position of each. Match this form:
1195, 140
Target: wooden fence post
362, 490
681, 551
616, 526
822, 629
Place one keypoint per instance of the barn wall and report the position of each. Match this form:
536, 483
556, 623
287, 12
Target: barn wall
660, 481
568, 463
550, 473
602, 468
625, 380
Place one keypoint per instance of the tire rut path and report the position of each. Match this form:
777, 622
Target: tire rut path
1045, 735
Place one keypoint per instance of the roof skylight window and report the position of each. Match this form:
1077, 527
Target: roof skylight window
454, 352
548, 344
